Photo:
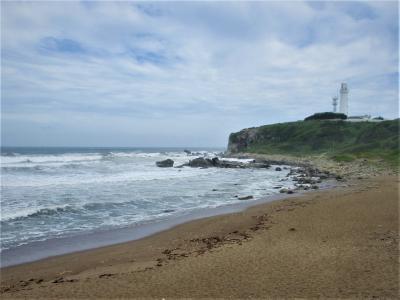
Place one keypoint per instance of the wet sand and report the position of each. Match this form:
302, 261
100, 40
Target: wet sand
335, 243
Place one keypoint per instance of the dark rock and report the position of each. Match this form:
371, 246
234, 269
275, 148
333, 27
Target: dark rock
215, 161
323, 176
200, 162
230, 164
304, 180
246, 197
292, 229
278, 169
315, 187
165, 163
188, 152
290, 192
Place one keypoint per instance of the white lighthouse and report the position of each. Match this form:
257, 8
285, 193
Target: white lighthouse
344, 92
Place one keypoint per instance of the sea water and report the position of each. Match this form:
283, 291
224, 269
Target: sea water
49, 193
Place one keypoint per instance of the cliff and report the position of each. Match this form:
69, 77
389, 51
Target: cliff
341, 140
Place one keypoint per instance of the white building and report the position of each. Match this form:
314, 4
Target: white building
344, 100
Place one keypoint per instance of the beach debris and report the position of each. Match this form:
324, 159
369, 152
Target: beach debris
61, 280
246, 197
24, 283
167, 163
292, 229
106, 275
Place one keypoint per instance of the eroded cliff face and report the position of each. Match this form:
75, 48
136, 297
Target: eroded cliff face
239, 141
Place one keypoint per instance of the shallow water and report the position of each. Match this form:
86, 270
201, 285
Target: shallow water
62, 192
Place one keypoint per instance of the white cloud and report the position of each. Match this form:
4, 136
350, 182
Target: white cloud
196, 70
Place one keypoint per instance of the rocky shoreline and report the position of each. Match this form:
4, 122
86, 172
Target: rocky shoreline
304, 175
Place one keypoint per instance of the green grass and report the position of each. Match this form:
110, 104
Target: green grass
340, 140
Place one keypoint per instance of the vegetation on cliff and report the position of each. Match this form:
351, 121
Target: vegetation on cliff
326, 116
340, 140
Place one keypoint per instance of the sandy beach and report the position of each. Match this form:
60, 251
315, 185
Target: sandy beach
335, 243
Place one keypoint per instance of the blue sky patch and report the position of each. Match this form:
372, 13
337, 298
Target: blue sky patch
61, 45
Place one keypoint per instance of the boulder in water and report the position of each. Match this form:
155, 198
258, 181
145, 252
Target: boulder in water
200, 162
245, 197
165, 163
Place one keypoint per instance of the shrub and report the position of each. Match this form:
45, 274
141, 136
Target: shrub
326, 116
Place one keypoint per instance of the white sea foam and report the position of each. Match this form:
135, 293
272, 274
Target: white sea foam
49, 158
51, 195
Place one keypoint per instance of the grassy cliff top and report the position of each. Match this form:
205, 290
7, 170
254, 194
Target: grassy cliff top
340, 140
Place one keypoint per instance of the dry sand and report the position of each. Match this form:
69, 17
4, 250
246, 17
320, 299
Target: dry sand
337, 243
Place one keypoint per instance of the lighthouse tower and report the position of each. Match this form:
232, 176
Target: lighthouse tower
334, 103
344, 92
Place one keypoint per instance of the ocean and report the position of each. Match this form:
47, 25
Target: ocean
51, 193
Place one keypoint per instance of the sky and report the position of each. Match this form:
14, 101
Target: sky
187, 73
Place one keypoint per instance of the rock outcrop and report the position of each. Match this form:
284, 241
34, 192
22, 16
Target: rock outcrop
202, 162
246, 197
167, 163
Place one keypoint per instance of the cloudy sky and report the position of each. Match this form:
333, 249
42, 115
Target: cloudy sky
187, 73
